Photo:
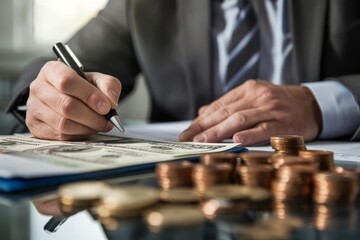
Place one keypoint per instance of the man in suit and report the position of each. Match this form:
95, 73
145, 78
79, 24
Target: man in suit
175, 44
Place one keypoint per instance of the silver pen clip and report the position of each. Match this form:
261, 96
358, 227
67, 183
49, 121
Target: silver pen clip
72, 54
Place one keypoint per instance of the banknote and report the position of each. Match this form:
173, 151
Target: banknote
103, 151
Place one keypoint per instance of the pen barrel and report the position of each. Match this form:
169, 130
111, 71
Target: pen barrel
63, 54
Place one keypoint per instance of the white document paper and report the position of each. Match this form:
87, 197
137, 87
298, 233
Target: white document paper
168, 131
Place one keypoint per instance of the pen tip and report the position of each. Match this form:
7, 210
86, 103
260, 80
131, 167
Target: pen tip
115, 120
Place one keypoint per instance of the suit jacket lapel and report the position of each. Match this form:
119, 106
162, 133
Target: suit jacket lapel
307, 20
194, 16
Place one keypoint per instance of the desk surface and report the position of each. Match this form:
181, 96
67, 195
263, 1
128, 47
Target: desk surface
24, 217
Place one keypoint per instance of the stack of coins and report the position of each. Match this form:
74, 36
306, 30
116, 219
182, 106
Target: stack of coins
215, 158
175, 174
131, 201
349, 170
325, 159
293, 183
287, 144
287, 160
256, 157
205, 176
335, 188
256, 175
173, 216
78, 196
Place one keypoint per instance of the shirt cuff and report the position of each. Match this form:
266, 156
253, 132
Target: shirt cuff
339, 108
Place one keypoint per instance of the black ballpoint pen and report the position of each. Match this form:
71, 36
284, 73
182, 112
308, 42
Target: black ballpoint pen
66, 55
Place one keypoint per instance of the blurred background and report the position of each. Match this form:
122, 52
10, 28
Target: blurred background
29, 28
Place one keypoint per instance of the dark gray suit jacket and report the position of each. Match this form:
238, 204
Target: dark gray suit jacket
169, 42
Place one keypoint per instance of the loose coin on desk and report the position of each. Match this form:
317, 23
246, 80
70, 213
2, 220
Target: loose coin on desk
127, 201
228, 192
289, 223
173, 216
81, 194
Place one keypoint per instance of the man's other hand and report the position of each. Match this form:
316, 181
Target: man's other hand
255, 111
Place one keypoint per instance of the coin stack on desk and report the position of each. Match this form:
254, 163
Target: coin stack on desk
287, 144
256, 157
293, 182
174, 174
285, 160
256, 175
325, 159
205, 176
335, 188
217, 158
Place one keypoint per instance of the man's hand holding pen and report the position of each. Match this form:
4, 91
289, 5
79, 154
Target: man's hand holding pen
63, 106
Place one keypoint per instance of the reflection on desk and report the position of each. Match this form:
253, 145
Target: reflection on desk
318, 222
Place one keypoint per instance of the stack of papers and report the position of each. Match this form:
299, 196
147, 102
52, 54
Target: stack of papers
27, 162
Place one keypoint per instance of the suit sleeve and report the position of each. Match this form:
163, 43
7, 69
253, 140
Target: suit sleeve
103, 45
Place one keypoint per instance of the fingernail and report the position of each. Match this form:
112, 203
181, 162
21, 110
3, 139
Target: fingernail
200, 138
103, 107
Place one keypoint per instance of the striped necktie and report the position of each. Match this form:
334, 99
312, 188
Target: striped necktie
243, 49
